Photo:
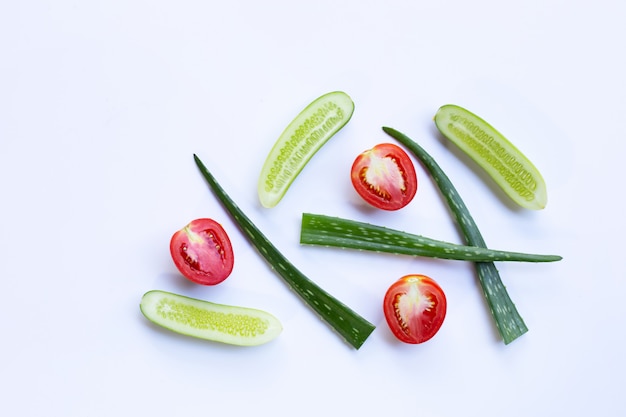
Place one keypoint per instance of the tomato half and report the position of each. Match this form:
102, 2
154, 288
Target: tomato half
384, 176
202, 252
415, 307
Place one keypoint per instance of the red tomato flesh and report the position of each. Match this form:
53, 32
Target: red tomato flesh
384, 176
202, 252
414, 307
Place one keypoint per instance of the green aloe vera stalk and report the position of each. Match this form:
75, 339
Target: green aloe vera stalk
323, 230
348, 324
508, 320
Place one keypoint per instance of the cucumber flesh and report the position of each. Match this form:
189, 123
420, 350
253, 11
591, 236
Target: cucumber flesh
300, 140
504, 163
233, 325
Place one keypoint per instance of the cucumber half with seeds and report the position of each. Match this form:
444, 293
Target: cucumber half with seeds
300, 140
506, 164
205, 320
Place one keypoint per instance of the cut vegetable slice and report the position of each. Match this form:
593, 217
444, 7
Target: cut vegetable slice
351, 326
506, 164
384, 177
415, 308
508, 320
234, 325
323, 230
300, 140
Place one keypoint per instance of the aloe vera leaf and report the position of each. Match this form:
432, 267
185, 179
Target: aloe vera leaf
508, 321
347, 323
330, 231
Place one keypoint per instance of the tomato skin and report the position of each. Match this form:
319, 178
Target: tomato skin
384, 176
202, 252
415, 308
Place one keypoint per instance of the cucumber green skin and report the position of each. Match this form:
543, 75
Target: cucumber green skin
508, 320
353, 328
504, 163
210, 321
300, 140
343, 233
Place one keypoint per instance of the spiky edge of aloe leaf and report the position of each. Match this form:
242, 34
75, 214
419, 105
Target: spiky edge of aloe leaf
508, 320
348, 324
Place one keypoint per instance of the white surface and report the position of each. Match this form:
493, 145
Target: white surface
102, 105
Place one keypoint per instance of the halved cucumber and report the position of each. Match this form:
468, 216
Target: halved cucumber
205, 320
506, 164
302, 138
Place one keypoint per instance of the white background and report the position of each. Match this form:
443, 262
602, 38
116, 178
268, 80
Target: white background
103, 103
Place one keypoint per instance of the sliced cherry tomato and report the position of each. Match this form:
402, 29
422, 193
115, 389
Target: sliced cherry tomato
415, 307
202, 252
384, 176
